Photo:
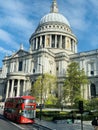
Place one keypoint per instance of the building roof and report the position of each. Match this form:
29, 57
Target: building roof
54, 16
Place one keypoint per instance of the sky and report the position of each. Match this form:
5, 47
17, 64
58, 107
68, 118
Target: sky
20, 18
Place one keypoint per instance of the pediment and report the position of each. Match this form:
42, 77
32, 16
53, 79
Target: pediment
19, 53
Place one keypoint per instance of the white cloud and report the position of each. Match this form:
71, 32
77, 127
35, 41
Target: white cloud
12, 6
75, 11
8, 38
21, 17
3, 50
16, 18
21, 22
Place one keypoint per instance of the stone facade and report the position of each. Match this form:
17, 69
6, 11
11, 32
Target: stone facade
53, 46
89, 62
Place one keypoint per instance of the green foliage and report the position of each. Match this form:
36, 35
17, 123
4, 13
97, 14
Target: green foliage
92, 104
65, 115
75, 78
45, 85
52, 115
89, 105
51, 100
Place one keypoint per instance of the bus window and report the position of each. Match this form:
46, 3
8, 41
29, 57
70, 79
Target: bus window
28, 113
29, 101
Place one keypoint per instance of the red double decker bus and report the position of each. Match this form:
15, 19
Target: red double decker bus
20, 109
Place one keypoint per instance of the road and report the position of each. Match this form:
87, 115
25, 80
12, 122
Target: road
62, 125
6, 124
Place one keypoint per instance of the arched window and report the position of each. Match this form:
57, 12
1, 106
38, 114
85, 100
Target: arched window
93, 90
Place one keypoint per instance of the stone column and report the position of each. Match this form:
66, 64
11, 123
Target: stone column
61, 41
10, 67
18, 88
29, 65
16, 65
24, 87
89, 90
32, 45
88, 69
40, 41
75, 47
12, 88
95, 68
36, 43
7, 91
59, 68
50, 40
45, 42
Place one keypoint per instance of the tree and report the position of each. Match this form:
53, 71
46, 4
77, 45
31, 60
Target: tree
75, 78
43, 87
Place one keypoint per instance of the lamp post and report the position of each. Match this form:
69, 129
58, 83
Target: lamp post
41, 93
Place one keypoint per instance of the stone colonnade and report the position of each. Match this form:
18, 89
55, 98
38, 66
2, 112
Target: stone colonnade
16, 87
54, 41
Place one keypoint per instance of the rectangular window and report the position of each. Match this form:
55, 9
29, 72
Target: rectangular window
33, 70
92, 68
20, 66
92, 72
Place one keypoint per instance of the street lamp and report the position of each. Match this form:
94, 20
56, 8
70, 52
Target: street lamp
41, 93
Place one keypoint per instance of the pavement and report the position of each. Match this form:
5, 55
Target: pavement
63, 125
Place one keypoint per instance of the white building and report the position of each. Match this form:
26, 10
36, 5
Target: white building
52, 46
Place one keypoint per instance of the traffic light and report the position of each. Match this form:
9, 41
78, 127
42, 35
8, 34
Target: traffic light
81, 107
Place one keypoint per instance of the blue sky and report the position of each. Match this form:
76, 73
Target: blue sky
19, 19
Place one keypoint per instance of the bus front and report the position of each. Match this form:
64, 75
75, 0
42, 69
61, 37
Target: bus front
28, 111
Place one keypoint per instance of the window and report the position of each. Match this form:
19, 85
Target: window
29, 101
92, 68
93, 90
33, 70
20, 66
92, 72
57, 68
50, 71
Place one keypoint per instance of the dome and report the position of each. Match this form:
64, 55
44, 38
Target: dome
54, 17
